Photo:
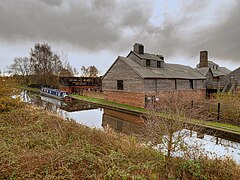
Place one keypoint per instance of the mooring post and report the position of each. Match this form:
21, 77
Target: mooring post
218, 113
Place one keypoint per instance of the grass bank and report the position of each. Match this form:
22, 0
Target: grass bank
36, 90
36, 144
208, 124
109, 103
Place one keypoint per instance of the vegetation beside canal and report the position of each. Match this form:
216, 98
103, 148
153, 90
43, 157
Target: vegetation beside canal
210, 124
37, 144
36, 90
109, 103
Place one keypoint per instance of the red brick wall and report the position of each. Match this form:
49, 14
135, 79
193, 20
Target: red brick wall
65, 88
129, 98
124, 116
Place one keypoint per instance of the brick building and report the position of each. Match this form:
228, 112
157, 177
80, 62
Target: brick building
140, 77
78, 85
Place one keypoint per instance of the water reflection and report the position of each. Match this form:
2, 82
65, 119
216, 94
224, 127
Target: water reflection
95, 117
122, 122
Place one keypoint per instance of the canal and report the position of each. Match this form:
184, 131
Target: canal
93, 116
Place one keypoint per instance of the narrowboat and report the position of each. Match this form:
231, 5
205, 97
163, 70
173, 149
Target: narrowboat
55, 93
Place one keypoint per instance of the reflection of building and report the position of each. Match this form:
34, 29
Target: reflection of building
122, 122
78, 106
79, 84
130, 80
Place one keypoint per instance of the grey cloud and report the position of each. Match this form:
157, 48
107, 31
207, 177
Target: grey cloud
52, 2
177, 36
88, 25
224, 39
100, 24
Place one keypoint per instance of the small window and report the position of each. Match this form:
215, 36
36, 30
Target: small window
191, 84
141, 50
158, 64
148, 63
120, 84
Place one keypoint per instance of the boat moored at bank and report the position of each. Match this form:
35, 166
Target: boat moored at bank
55, 93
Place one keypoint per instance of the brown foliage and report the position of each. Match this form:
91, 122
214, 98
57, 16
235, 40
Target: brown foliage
7, 92
168, 129
36, 144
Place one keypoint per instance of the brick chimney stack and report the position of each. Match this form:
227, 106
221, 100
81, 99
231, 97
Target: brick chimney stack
138, 48
203, 59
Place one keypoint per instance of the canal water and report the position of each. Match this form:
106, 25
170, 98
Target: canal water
94, 116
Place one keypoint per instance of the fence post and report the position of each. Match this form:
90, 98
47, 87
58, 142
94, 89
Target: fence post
218, 112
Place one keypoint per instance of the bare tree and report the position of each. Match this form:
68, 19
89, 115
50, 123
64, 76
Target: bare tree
21, 66
167, 121
45, 64
85, 71
90, 71
93, 71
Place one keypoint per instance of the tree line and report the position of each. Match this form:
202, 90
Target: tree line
43, 67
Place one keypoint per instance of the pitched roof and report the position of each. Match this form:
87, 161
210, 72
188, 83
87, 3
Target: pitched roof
203, 71
221, 71
170, 71
212, 63
147, 56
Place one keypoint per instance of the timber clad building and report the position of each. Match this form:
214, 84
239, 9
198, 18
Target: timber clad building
210, 69
141, 77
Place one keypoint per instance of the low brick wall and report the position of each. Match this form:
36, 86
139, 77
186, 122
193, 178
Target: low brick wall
129, 98
124, 116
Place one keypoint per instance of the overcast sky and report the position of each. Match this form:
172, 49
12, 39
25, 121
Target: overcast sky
95, 32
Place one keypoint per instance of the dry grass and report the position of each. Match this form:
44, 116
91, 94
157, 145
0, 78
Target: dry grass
35, 144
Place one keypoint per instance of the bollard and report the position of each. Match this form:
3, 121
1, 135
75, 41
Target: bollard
218, 112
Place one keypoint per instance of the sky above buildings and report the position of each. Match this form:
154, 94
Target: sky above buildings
95, 32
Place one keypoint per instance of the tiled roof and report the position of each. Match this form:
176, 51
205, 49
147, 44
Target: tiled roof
203, 71
170, 71
148, 56
220, 71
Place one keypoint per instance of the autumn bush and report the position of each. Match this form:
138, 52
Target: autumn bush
36, 144
8, 94
229, 107
192, 105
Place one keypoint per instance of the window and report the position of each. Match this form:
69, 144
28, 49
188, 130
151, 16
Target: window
120, 84
141, 49
158, 64
191, 84
148, 63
